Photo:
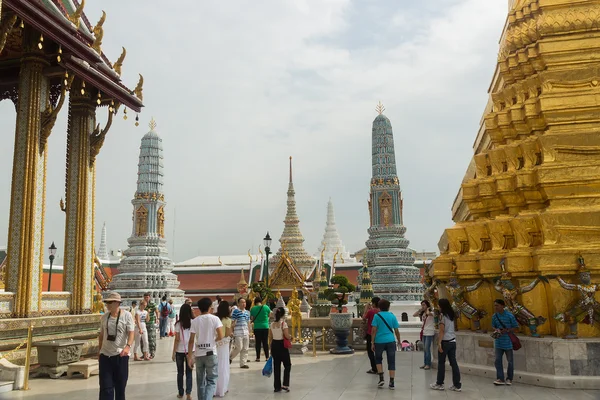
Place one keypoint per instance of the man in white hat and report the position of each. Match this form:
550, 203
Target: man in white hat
115, 341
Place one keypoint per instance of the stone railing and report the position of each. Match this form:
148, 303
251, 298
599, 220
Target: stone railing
356, 337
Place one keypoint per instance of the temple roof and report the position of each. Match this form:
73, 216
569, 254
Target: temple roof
51, 18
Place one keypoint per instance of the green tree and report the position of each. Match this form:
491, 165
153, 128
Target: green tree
343, 286
263, 291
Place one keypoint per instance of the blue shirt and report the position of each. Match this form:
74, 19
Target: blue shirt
385, 334
509, 321
241, 319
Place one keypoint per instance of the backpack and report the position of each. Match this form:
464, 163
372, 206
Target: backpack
165, 310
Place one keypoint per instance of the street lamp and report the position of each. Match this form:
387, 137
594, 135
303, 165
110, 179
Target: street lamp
52, 249
267, 243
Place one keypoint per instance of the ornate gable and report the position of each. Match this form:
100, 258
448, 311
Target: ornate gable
286, 275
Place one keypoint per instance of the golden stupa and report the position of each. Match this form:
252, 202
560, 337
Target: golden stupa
531, 195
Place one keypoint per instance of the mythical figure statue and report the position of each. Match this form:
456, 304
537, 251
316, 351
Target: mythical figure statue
430, 286
459, 304
505, 286
293, 306
586, 309
98, 307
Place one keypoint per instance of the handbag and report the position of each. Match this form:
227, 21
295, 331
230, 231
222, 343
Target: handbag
268, 368
287, 343
516, 343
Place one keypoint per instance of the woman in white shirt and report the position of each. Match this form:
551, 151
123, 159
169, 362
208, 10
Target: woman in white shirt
180, 350
425, 313
141, 333
277, 332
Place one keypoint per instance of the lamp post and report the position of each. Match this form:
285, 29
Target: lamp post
52, 249
267, 243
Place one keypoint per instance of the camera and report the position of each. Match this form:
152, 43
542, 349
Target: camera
111, 338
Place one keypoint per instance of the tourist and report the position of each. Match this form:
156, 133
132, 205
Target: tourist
368, 320
164, 308
503, 322
241, 333
447, 348
133, 309
141, 333
223, 313
151, 324
115, 341
181, 349
425, 313
172, 315
205, 331
259, 315
384, 328
279, 331
215, 304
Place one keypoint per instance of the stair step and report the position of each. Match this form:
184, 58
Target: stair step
6, 386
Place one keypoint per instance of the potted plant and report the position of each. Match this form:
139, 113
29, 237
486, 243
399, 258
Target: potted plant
341, 322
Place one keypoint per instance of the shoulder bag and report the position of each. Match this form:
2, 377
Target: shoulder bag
385, 322
516, 343
286, 342
252, 319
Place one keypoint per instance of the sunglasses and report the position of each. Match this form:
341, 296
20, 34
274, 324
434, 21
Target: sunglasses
110, 302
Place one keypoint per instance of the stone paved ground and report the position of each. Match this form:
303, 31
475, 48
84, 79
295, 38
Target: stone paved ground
323, 378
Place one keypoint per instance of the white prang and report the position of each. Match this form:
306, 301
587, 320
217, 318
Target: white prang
332, 241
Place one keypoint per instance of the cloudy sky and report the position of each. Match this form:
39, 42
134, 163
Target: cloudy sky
237, 87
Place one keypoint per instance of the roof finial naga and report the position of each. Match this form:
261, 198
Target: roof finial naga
75, 18
138, 89
119, 63
99, 34
152, 124
380, 108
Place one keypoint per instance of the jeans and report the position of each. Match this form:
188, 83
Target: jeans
498, 364
427, 342
181, 361
261, 337
390, 351
370, 353
280, 355
449, 350
241, 344
113, 375
163, 324
207, 373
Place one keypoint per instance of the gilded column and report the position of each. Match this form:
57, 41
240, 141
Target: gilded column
28, 193
80, 176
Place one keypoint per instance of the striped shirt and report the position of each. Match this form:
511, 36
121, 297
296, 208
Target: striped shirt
508, 320
241, 318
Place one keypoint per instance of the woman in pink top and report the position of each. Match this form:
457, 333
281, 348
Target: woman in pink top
368, 318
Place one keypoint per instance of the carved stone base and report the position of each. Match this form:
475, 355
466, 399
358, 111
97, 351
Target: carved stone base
52, 372
548, 361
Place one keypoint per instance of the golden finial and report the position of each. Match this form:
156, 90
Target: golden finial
152, 124
138, 89
220, 262
260, 251
380, 108
99, 34
119, 63
250, 256
75, 17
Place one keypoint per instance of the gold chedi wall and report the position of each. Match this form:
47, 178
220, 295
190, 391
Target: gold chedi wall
532, 192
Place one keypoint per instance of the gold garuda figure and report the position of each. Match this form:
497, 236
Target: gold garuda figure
429, 287
505, 286
586, 309
459, 304
293, 306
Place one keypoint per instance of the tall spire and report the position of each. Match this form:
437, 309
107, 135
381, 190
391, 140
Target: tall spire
291, 238
147, 266
103, 251
391, 262
331, 239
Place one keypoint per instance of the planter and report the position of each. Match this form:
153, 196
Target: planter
55, 355
341, 323
320, 310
